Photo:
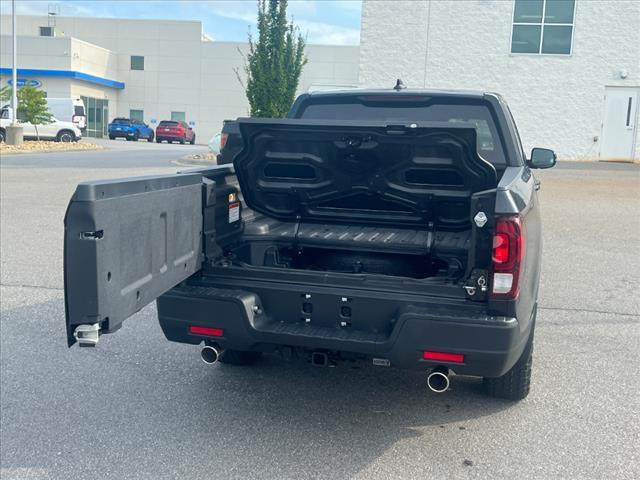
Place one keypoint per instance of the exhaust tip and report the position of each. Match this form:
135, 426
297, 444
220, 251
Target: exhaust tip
438, 380
210, 355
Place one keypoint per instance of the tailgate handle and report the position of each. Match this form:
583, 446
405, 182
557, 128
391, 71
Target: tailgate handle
97, 235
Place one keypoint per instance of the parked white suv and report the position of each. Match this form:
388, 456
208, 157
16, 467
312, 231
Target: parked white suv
55, 130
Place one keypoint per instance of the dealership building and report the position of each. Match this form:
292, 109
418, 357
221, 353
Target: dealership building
569, 69
151, 70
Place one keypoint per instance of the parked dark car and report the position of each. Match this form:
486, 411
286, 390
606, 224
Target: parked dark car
398, 227
131, 129
175, 131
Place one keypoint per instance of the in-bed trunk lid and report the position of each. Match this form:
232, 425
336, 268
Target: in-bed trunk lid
364, 172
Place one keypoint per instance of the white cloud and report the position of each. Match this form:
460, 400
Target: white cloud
316, 32
324, 33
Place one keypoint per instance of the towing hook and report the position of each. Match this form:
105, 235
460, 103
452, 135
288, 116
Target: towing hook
438, 379
210, 354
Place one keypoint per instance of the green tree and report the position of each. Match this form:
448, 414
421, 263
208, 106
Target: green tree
5, 93
274, 62
32, 107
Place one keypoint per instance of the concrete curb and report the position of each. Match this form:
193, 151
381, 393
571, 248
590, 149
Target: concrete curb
38, 152
636, 162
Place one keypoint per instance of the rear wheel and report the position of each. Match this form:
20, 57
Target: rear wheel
193, 140
516, 383
182, 140
3, 135
136, 137
237, 357
150, 139
158, 140
65, 136
111, 137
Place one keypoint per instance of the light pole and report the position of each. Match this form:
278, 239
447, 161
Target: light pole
14, 131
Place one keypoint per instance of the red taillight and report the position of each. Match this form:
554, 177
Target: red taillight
443, 357
507, 257
223, 140
208, 331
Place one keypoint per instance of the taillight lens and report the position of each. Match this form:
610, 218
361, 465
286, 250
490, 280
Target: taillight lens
223, 140
507, 257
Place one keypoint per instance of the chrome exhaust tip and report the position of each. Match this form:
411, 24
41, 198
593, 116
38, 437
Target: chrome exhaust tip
210, 355
438, 380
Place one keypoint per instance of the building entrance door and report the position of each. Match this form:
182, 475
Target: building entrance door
619, 123
97, 116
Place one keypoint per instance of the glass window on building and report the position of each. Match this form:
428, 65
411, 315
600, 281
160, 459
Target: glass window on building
178, 116
137, 62
136, 115
542, 26
97, 110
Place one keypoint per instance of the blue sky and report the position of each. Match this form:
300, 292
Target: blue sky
323, 21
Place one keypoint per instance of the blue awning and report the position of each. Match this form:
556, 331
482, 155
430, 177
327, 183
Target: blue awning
85, 77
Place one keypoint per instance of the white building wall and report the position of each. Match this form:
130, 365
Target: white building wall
557, 101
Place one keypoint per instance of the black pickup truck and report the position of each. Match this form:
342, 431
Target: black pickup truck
401, 227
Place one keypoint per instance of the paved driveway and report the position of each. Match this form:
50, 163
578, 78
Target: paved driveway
138, 406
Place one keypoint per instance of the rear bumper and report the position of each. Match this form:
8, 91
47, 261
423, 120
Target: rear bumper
122, 134
490, 345
170, 136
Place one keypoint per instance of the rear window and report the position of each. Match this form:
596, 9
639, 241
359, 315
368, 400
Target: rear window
168, 123
123, 121
78, 110
413, 109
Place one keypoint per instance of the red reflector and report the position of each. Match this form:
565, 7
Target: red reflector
223, 140
443, 357
210, 332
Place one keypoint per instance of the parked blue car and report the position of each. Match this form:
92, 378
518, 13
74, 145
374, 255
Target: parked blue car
131, 129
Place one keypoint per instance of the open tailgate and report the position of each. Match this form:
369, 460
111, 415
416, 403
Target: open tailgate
127, 242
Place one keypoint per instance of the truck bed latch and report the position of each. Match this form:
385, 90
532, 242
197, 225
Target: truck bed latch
476, 285
87, 335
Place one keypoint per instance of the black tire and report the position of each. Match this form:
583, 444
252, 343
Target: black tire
237, 357
158, 140
65, 136
516, 383
136, 137
3, 135
111, 137
150, 139
193, 140
182, 140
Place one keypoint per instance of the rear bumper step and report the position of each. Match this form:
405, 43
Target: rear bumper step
399, 332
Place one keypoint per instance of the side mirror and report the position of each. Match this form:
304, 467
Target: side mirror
542, 158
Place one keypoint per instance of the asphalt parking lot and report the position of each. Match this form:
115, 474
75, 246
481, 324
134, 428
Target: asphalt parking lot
138, 406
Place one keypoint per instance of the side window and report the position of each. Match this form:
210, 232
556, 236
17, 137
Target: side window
515, 129
137, 62
542, 26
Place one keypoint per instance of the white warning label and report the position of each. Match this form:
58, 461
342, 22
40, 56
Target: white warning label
234, 212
